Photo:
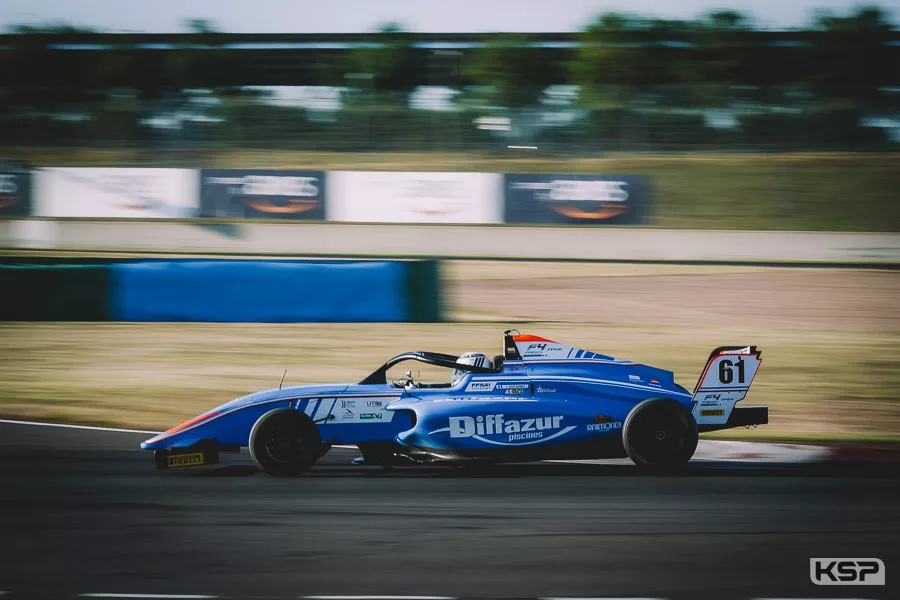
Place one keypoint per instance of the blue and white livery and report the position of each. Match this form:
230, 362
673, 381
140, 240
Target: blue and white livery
537, 400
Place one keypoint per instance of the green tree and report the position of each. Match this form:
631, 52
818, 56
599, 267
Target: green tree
607, 64
849, 58
390, 61
724, 46
201, 26
512, 70
197, 61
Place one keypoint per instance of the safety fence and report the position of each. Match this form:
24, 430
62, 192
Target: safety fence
45, 289
346, 196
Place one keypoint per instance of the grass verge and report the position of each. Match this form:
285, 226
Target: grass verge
818, 384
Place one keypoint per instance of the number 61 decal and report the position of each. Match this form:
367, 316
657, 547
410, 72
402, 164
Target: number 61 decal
730, 367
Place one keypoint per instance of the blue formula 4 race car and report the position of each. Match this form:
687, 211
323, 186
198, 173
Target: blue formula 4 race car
537, 400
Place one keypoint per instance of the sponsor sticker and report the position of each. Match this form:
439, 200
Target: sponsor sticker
746, 351
716, 404
356, 410
713, 400
468, 399
543, 390
512, 389
498, 430
541, 349
481, 386
609, 426
184, 460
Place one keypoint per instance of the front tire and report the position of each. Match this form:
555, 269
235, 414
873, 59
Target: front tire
660, 434
285, 443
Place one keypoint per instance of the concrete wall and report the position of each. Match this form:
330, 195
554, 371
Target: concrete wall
455, 241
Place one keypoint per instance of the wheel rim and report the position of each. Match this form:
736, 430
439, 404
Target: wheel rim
659, 439
282, 442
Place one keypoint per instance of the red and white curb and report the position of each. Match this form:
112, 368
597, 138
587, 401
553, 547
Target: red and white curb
768, 452
759, 452
762, 453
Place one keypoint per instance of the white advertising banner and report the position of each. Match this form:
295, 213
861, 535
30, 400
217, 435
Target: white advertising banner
117, 193
399, 197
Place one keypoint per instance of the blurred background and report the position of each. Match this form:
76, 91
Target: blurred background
199, 198
651, 155
619, 83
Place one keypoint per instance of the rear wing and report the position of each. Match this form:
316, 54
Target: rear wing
724, 382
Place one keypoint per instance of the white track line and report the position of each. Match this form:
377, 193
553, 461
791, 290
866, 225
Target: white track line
161, 596
378, 597
90, 428
597, 598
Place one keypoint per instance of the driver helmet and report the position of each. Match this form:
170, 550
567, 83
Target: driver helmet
476, 359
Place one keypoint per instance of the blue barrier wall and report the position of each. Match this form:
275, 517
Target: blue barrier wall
260, 292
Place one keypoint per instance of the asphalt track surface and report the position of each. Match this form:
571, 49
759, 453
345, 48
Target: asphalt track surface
84, 512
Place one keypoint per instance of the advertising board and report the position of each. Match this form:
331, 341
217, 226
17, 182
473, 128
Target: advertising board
265, 194
15, 190
116, 193
575, 199
414, 197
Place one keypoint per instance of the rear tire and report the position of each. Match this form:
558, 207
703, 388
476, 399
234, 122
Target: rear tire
660, 434
285, 443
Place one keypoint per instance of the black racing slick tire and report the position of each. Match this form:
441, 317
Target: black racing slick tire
285, 443
660, 434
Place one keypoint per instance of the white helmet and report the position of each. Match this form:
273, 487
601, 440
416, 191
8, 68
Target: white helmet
476, 359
